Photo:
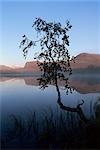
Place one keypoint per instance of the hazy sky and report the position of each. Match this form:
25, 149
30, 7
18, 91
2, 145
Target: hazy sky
17, 18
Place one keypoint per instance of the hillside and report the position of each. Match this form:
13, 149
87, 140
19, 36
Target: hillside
83, 62
5, 68
31, 66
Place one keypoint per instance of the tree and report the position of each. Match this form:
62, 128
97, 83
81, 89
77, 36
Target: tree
53, 57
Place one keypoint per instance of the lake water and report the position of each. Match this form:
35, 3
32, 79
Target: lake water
23, 96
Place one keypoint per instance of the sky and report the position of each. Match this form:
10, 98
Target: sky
17, 18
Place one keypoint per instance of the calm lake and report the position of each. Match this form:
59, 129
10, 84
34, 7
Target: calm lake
21, 97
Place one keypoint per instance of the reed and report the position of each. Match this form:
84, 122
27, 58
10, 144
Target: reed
55, 129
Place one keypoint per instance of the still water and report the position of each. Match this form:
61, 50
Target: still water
22, 96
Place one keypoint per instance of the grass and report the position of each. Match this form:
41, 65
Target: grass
55, 130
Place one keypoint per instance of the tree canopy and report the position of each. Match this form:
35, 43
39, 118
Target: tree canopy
53, 57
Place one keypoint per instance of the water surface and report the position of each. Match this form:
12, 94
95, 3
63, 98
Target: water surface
22, 96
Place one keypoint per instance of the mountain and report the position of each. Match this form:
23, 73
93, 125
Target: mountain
30, 69
5, 68
31, 66
82, 62
85, 60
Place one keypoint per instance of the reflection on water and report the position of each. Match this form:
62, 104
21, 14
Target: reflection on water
82, 84
22, 96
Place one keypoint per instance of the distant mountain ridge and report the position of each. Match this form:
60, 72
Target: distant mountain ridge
83, 61
3, 67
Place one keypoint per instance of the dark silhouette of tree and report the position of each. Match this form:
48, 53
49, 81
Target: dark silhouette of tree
53, 57
76, 109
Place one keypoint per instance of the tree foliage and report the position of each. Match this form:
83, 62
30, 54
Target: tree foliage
53, 57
